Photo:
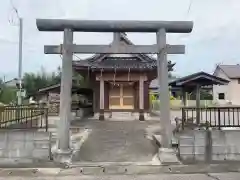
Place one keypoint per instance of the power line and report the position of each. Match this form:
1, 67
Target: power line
15, 10
187, 15
189, 7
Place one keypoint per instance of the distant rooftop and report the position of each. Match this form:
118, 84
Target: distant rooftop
232, 71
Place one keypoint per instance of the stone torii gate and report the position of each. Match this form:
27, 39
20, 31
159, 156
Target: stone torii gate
68, 48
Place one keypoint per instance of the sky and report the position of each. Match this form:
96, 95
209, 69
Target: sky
215, 38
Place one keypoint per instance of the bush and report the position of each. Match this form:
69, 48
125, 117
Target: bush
8, 95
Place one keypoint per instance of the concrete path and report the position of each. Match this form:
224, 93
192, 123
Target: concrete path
218, 176
115, 141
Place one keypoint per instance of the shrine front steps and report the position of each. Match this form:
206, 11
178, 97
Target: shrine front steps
122, 116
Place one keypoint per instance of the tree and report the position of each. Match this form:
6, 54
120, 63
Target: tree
79, 80
7, 94
34, 81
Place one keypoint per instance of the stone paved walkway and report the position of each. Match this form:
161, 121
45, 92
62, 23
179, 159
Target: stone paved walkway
222, 176
115, 141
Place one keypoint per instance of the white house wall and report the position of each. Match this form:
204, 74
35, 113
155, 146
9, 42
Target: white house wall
235, 91
232, 90
226, 89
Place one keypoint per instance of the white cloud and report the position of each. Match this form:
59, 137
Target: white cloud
215, 36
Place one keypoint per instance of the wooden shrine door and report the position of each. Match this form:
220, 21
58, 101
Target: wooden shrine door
121, 96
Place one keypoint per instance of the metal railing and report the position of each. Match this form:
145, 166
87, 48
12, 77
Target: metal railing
23, 117
212, 116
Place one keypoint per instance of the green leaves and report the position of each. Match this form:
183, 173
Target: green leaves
7, 94
35, 81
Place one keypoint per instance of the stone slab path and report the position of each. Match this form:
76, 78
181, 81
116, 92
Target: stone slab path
115, 141
219, 176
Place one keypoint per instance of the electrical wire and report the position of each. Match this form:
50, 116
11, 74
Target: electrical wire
189, 7
15, 10
186, 17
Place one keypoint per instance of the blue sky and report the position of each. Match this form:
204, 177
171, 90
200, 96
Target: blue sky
215, 37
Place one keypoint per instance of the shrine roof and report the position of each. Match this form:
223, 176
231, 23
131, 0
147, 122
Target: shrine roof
199, 78
122, 61
119, 63
56, 89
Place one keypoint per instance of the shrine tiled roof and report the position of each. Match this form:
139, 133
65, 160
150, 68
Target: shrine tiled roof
123, 61
119, 63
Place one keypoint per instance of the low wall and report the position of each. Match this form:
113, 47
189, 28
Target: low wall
209, 145
226, 145
84, 112
24, 146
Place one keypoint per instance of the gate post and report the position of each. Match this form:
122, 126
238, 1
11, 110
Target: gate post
65, 97
163, 89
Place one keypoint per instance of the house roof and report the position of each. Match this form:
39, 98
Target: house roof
200, 78
154, 83
49, 88
13, 82
127, 61
56, 88
232, 71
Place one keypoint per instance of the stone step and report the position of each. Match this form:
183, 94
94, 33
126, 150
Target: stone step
122, 115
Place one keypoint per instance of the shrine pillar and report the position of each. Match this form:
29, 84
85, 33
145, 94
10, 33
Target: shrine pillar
101, 110
141, 98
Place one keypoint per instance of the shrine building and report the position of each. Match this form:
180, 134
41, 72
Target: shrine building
120, 82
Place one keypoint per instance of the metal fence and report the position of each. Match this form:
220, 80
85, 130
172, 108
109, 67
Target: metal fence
24, 117
212, 116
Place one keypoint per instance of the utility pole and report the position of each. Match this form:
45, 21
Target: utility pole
20, 61
20, 20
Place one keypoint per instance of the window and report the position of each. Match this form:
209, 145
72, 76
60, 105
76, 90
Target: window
221, 96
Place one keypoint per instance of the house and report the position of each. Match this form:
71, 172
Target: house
120, 82
51, 94
81, 98
12, 83
224, 94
